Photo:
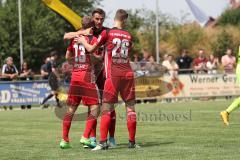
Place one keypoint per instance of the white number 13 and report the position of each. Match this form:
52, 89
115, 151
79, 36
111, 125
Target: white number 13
79, 57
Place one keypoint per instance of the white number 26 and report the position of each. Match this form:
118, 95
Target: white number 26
123, 45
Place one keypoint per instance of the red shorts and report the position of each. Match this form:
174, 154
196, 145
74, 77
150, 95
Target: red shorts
123, 85
85, 91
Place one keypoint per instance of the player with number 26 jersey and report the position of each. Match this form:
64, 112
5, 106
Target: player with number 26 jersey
119, 75
118, 46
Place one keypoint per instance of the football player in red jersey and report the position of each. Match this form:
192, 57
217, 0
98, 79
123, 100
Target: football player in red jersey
98, 16
119, 76
82, 88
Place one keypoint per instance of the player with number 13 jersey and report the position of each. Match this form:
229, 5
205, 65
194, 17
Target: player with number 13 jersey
82, 88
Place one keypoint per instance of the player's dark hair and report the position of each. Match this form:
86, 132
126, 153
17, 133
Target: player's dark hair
53, 53
121, 15
87, 22
99, 11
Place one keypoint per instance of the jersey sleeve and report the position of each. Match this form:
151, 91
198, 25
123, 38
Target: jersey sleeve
70, 47
102, 38
94, 41
131, 41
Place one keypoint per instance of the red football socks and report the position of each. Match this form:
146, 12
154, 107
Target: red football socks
93, 131
66, 126
90, 127
104, 125
131, 124
112, 124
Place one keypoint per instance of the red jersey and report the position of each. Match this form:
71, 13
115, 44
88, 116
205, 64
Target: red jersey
82, 67
97, 33
118, 44
197, 61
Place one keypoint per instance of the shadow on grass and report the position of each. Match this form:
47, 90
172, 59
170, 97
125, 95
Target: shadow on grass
144, 144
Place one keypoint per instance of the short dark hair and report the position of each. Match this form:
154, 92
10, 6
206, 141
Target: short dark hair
121, 15
87, 22
99, 11
53, 53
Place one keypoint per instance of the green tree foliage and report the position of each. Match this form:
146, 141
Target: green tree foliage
42, 29
142, 23
185, 37
134, 23
222, 43
230, 17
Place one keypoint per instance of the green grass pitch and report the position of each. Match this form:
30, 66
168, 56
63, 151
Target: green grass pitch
190, 130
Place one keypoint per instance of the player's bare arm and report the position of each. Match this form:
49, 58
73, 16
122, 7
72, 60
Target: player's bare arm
90, 48
54, 70
44, 73
69, 56
6, 75
72, 35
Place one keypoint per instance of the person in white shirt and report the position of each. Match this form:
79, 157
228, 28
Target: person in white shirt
171, 66
212, 64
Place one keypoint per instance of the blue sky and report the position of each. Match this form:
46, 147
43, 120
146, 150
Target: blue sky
176, 8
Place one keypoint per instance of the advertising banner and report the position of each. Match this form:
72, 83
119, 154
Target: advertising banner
183, 86
23, 93
187, 86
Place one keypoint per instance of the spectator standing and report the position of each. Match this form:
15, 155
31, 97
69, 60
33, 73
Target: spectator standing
44, 69
135, 65
199, 63
171, 66
165, 59
9, 72
26, 74
212, 64
228, 62
152, 67
145, 58
184, 62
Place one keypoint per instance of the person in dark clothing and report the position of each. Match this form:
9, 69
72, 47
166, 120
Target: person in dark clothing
44, 70
9, 72
53, 78
184, 63
26, 74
